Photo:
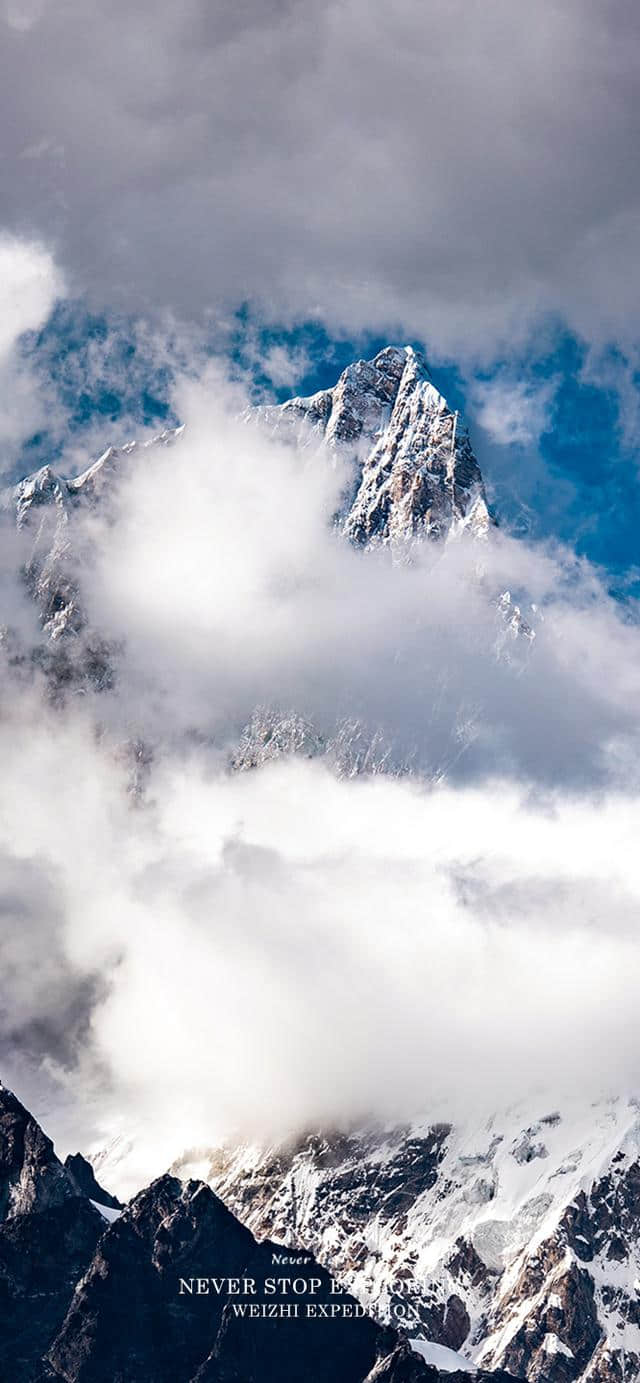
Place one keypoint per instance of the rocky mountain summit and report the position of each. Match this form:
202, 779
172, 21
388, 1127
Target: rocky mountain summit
172, 1290
514, 1243
415, 474
48, 1233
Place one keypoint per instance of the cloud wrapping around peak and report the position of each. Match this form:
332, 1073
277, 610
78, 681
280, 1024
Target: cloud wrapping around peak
219, 565
30, 282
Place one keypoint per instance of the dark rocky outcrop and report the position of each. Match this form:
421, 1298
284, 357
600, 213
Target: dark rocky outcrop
83, 1178
48, 1234
132, 1318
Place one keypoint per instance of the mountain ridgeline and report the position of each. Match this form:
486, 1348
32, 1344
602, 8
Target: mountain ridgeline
172, 1289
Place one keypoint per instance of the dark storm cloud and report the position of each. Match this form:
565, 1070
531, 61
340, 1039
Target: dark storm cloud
452, 167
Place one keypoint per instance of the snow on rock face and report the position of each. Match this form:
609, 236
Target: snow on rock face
514, 1241
414, 478
45, 504
415, 473
421, 479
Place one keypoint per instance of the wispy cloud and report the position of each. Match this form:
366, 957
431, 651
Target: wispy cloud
512, 411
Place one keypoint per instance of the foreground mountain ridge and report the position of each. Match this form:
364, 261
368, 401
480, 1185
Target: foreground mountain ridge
174, 1289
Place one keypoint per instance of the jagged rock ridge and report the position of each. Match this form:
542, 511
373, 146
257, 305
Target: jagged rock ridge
45, 506
48, 1233
83, 1177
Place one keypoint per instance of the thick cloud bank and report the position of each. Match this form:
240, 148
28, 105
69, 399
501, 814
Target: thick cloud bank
261, 950
451, 168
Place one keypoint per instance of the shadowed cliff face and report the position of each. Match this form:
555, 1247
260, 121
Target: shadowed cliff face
83, 1178
130, 1318
48, 1233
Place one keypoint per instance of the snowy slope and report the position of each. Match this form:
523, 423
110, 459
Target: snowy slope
514, 1241
44, 503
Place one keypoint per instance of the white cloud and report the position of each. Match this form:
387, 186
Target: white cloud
29, 285
30, 282
284, 948
284, 366
23, 14
514, 412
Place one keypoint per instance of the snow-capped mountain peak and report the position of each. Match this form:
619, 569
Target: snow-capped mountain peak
415, 474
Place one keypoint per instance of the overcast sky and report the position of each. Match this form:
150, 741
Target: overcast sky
455, 169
